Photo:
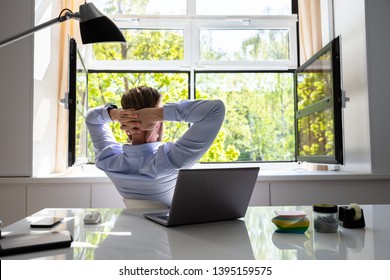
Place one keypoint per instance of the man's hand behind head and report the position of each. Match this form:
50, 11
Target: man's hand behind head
144, 119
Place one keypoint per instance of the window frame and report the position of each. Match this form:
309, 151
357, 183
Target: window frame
252, 71
142, 65
254, 23
334, 102
191, 25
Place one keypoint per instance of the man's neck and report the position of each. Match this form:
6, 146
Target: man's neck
138, 139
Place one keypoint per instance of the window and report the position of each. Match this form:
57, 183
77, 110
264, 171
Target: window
78, 106
149, 7
248, 45
105, 87
243, 7
144, 45
243, 52
319, 104
260, 113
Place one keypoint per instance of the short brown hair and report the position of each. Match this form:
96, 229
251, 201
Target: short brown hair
140, 97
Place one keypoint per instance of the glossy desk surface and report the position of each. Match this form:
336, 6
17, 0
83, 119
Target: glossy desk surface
126, 234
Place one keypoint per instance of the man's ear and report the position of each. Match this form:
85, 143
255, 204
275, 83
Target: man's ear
150, 136
160, 130
154, 135
128, 133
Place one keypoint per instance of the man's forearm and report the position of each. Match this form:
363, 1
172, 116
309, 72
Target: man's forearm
206, 117
114, 114
97, 120
157, 114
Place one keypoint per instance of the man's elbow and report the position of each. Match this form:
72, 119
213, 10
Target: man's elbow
90, 116
219, 108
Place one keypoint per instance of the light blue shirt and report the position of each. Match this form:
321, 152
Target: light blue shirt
149, 171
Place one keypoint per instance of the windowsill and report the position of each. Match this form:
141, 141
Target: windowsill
268, 173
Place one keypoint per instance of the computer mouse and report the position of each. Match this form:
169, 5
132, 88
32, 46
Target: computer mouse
92, 217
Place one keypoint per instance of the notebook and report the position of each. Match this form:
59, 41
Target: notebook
34, 241
208, 195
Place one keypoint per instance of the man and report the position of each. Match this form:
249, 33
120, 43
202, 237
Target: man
146, 168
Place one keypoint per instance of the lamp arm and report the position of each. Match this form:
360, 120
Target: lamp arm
21, 35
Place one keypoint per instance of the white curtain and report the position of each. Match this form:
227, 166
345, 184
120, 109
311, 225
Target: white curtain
310, 35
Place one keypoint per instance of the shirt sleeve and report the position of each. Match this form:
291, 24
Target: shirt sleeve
206, 117
97, 121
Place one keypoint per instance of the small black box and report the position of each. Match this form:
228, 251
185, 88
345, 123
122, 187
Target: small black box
346, 218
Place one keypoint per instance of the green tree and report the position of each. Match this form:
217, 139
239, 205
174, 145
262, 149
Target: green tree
316, 129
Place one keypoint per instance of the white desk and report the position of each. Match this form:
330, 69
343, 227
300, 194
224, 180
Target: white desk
126, 234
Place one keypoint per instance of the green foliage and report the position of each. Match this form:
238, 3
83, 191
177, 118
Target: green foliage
317, 134
144, 44
259, 118
125, 7
266, 45
316, 131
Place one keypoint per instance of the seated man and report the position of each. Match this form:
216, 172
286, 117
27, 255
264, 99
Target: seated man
145, 168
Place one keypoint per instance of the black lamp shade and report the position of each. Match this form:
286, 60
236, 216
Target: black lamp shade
96, 27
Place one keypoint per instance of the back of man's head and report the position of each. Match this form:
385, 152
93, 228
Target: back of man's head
141, 97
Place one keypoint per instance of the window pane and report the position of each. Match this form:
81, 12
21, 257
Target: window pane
144, 44
316, 133
315, 82
247, 45
142, 7
243, 7
109, 87
259, 123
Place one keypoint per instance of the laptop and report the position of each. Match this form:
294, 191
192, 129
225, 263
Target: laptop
208, 195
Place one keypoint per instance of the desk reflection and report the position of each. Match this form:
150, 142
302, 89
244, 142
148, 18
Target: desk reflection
321, 246
126, 234
134, 238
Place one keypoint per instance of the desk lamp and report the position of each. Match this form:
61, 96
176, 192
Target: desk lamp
94, 26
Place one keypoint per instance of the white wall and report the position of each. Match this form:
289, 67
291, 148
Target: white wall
46, 86
378, 62
16, 89
327, 27
349, 19
363, 25
29, 89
